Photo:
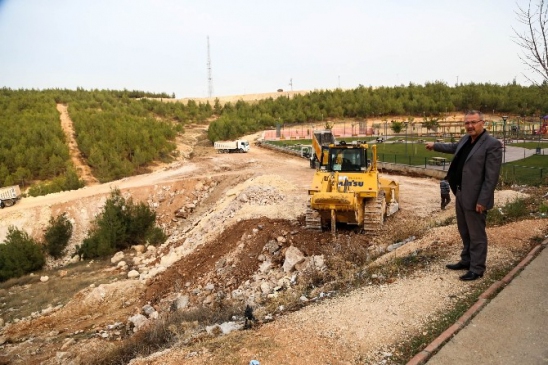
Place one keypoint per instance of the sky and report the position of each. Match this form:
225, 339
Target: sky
188, 48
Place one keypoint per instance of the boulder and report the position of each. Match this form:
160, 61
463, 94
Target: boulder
138, 321
118, 256
293, 256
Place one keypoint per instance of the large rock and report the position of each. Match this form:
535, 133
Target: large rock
138, 321
293, 256
148, 310
118, 256
140, 249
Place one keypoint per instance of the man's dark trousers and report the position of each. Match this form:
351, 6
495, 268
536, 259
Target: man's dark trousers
471, 225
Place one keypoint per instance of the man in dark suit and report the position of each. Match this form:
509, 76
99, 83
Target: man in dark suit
473, 176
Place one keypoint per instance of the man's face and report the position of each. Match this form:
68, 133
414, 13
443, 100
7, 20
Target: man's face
473, 125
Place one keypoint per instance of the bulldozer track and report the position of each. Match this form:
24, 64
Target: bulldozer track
374, 210
313, 220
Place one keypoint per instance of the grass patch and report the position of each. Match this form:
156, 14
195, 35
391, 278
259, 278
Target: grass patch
516, 210
413, 152
157, 336
530, 145
25, 295
530, 171
410, 153
405, 227
446, 222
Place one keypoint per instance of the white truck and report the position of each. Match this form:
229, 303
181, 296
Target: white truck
239, 145
9, 195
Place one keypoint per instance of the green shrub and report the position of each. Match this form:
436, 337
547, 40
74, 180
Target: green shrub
156, 236
543, 208
142, 220
516, 209
495, 217
19, 255
120, 225
57, 235
68, 181
96, 245
511, 212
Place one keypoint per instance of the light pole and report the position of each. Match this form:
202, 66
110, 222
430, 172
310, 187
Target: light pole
405, 123
504, 117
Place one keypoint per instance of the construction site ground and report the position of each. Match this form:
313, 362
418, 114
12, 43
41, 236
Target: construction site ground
364, 326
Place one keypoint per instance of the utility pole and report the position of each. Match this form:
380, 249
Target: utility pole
209, 78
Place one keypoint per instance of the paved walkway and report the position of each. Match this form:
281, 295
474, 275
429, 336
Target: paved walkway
519, 153
507, 328
511, 154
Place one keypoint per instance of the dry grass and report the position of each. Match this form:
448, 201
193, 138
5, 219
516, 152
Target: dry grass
179, 327
23, 296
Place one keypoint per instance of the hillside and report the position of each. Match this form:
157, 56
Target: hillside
244, 97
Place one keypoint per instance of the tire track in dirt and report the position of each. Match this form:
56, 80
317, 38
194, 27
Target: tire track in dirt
82, 168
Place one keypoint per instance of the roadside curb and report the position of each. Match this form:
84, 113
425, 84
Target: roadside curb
423, 356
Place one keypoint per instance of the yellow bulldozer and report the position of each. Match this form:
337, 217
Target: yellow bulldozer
346, 187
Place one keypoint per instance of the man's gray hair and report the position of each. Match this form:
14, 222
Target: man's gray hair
473, 112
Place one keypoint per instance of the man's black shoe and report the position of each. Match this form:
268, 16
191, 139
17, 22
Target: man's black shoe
470, 276
457, 266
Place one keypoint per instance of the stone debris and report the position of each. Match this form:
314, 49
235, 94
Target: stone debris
394, 246
228, 327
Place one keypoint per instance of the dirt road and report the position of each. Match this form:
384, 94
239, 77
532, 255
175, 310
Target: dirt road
82, 168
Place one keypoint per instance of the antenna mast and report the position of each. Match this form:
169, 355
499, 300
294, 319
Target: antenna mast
209, 78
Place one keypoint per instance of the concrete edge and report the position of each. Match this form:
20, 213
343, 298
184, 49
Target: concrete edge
423, 356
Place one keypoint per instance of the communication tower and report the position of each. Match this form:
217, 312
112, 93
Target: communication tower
209, 78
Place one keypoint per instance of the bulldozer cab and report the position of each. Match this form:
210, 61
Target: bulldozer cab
346, 158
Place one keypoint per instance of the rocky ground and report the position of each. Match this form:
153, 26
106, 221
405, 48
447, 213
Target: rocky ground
236, 238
